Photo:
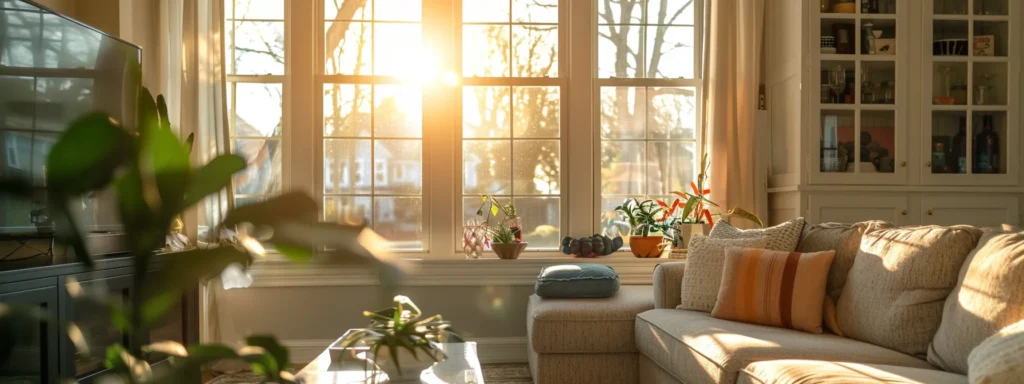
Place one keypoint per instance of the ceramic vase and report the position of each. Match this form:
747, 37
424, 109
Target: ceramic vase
648, 246
474, 238
508, 251
411, 367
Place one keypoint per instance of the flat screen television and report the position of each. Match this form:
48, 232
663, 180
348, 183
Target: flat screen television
54, 69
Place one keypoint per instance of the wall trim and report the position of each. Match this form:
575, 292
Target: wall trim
489, 349
447, 272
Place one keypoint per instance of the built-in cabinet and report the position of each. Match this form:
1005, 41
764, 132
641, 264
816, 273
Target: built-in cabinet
898, 110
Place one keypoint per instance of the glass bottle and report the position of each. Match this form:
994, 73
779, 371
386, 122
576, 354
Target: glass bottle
888, 92
986, 148
939, 163
826, 6
959, 150
958, 91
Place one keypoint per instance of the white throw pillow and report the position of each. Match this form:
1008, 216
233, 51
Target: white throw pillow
705, 263
783, 237
998, 359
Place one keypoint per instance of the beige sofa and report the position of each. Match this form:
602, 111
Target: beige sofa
586, 341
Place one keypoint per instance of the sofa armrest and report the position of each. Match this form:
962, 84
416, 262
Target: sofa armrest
668, 280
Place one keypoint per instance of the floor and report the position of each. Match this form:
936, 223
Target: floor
516, 373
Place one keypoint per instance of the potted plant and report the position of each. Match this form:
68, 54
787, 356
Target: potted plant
514, 222
504, 242
645, 218
399, 342
694, 210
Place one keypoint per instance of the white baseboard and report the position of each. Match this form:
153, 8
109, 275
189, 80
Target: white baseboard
489, 349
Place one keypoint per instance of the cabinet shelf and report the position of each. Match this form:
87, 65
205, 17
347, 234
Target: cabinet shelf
851, 57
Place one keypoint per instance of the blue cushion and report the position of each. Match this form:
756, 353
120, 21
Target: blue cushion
577, 280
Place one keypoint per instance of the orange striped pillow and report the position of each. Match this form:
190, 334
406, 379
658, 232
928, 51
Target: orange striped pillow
779, 289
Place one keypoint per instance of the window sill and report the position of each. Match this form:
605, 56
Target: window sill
453, 271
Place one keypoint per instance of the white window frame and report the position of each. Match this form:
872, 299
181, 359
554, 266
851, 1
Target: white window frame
580, 141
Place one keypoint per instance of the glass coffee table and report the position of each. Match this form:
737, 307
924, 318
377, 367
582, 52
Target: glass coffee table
460, 367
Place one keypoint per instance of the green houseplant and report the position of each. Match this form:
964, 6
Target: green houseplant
647, 226
400, 342
150, 172
504, 242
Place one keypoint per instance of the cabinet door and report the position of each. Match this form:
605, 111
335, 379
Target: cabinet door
981, 211
34, 358
94, 322
851, 208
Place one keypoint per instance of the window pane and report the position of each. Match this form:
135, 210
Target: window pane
671, 164
536, 167
348, 48
397, 111
397, 48
255, 9
486, 167
536, 50
398, 166
623, 112
346, 110
346, 209
485, 11
672, 113
670, 52
675, 12
540, 221
534, 11
263, 174
618, 50
537, 112
398, 10
257, 110
348, 9
400, 220
485, 112
623, 167
258, 48
485, 50
347, 167
609, 12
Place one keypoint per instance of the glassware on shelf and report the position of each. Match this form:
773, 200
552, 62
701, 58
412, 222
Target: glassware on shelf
947, 87
868, 38
986, 148
958, 153
888, 92
958, 91
837, 80
939, 162
867, 94
954, 7
981, 92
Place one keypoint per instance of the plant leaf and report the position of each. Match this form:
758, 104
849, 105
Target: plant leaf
278, 352
744, 214
161, 108
190, 142
294, 253
166, 347
168, 161
291, 206
88, 154
212, 177
183, 270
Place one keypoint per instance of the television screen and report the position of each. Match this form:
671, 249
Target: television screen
53, 70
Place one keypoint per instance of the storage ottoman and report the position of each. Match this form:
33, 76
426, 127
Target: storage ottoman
586, 340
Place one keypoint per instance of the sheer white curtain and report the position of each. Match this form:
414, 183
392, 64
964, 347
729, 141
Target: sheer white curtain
194, 85
732, 61
193, 76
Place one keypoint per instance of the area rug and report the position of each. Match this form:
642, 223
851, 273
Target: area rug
515, 373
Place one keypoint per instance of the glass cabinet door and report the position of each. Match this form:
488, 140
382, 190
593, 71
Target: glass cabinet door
94, 323
969, 126
34, 354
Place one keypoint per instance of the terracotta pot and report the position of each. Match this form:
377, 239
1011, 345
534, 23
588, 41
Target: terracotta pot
648, 246
508, 251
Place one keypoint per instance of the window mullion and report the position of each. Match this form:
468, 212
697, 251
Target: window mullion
440, 131
299, 113
580, 138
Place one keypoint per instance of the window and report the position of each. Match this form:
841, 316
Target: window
255, 52
402, 113
511, 104
372, 117
647, 61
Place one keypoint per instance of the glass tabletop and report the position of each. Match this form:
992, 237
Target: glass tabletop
460, 367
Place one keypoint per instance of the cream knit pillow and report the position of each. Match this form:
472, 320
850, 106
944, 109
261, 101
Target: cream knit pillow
1000, 358
783, 237
705, 263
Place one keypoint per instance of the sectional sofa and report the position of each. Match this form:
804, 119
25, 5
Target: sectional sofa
932, 311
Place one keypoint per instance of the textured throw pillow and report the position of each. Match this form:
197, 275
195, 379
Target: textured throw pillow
705, 260
783, 237
577, 281
778, 289
999, 358
895, 291
989, 295
842, 238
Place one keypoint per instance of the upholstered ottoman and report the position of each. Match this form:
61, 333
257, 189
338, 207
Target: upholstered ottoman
586, 340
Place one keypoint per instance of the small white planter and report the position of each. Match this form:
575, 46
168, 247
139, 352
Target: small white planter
685, 231
411, 366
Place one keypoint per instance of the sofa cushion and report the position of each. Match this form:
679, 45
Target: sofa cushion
705, 261
999, 358
842, 238
783, 237
987, 298
698, 348
777, 289
577, 281
602, 325
809, 371
895, 291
